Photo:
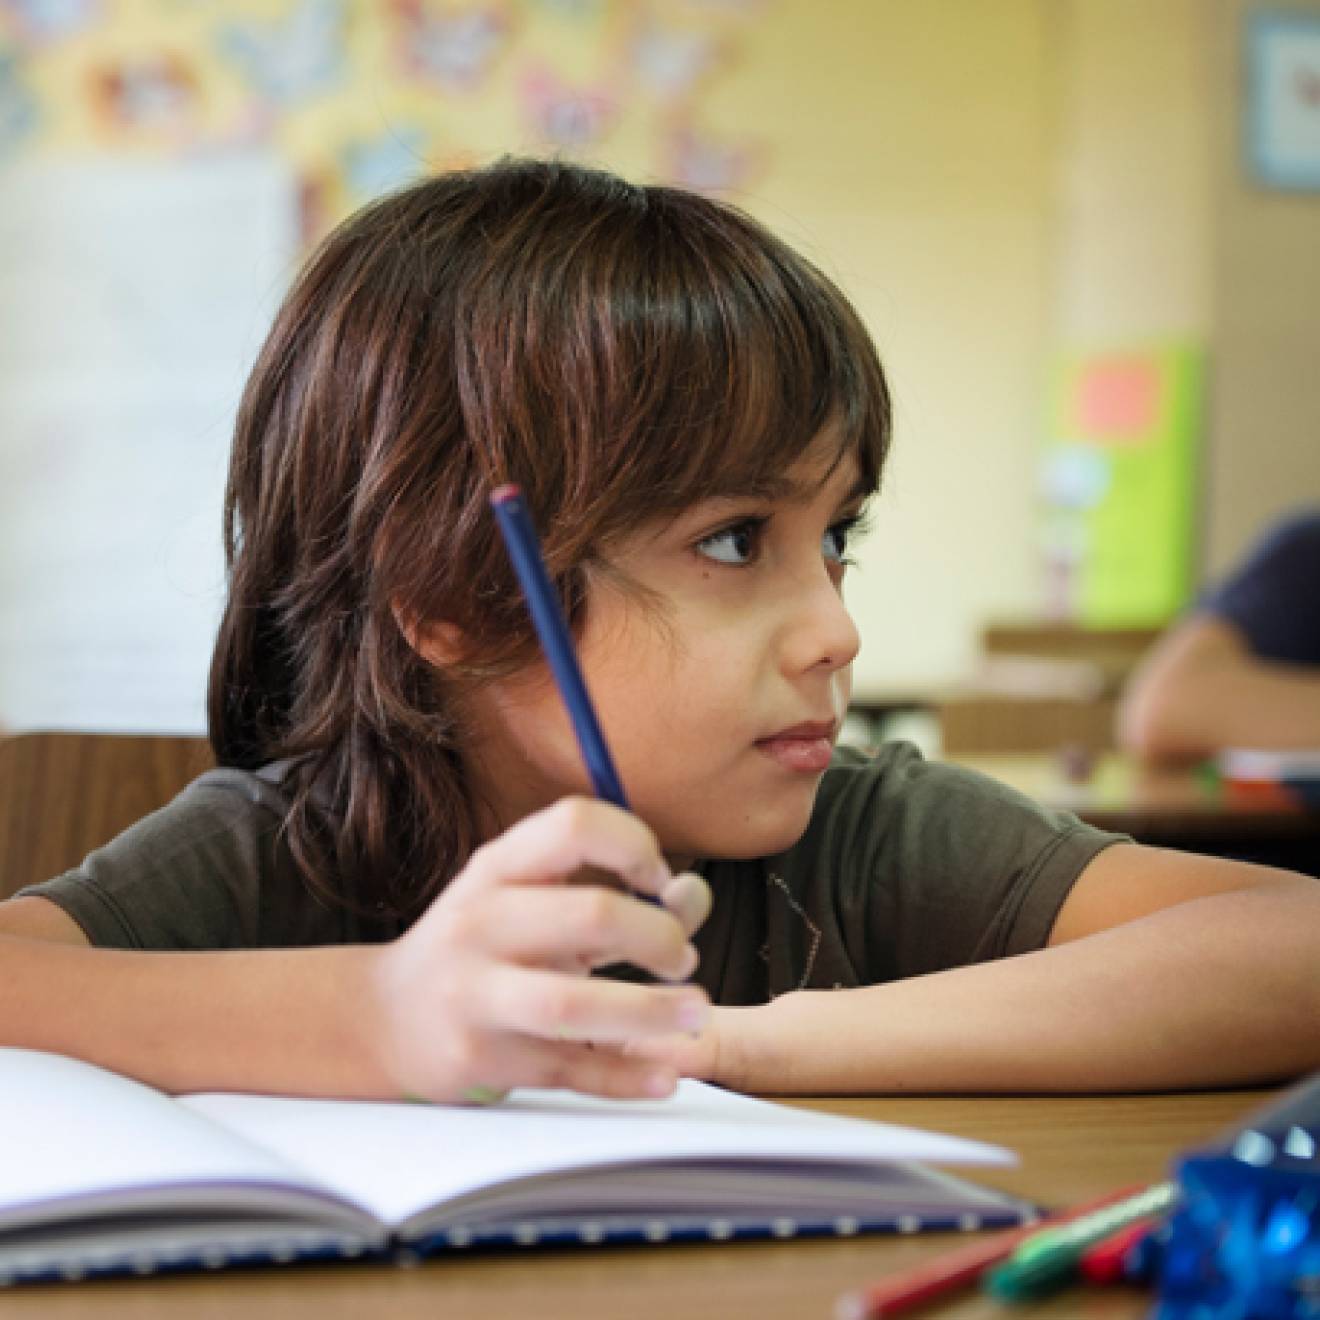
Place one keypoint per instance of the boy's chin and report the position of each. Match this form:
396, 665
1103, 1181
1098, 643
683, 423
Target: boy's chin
756, 838
736, 829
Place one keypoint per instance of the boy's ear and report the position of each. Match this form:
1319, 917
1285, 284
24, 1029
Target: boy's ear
440, 644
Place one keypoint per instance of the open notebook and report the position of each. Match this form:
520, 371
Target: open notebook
100, 1174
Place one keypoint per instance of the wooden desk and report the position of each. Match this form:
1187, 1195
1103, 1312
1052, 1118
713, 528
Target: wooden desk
1179, 808
1072, 1149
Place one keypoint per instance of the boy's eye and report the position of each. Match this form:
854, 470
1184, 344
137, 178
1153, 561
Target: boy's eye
834, 544
740, 543
733, 545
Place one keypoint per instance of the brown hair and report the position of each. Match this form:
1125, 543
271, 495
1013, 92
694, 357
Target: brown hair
620, 351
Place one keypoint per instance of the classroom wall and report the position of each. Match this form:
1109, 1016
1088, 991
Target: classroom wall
990, 180
1264, 406
903, 144
912, 154
1161, 233
1132, 171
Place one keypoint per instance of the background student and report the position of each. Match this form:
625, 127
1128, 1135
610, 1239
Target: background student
1243, 668
379, 891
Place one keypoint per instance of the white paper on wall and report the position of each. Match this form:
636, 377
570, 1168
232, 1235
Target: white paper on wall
133, 297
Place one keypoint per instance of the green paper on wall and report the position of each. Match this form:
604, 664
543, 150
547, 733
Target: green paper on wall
1119, 476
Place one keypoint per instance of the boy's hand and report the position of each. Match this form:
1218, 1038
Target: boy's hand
735, 1049
491, 988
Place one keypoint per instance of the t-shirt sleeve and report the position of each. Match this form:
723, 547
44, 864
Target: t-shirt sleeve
937, 866
1272, 598
189, 876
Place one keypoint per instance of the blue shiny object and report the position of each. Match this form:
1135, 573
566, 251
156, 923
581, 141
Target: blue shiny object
1245, 1243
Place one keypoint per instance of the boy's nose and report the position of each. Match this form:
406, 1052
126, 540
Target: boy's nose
823, 632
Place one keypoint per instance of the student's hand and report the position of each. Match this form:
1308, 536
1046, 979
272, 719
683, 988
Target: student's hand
490, 989
736, 1048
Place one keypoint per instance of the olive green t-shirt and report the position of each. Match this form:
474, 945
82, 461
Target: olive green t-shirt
907, 866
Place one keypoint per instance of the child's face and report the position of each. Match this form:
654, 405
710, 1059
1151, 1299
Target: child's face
703, 699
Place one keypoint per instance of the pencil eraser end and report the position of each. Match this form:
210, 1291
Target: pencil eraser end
503, 494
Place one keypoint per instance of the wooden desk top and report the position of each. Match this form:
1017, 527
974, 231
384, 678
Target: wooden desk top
1123, 795
1072, 1149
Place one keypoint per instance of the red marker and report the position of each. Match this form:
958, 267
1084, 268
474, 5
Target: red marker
1104, 1263
959, 1269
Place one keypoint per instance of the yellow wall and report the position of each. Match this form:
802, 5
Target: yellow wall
911, 158
1133, 170
903, 143
990, 180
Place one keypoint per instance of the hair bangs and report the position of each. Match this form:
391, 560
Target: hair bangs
740, 358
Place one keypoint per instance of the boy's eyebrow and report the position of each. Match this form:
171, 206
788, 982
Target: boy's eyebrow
783, 488
770, 488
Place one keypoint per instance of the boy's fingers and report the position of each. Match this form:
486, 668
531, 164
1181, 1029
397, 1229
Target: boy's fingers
576, 832
580, 928
573, 1008
592, 1070
688, 897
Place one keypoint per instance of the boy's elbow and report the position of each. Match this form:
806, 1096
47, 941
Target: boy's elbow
1175, 706
33, 918
1151, 727
1137, 732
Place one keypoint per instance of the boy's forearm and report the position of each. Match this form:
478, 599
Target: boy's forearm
279, 1021
1218, 991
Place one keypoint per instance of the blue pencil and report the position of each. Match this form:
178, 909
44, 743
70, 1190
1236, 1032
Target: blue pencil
525, 552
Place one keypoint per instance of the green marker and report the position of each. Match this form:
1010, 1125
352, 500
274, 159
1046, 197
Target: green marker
1210, 779
1048, 1259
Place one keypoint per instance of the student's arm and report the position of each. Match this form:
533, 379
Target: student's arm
1201, 689
37, 919
286, 1022
486, 990
1165, 971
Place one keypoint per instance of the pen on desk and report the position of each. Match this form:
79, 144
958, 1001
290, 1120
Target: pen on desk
520, 539
933, 1280
1108, 1261
1042, 1264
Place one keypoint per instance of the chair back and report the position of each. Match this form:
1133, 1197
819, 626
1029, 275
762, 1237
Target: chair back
63, 794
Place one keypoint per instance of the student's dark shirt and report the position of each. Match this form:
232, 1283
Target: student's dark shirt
1274, 598
907, 866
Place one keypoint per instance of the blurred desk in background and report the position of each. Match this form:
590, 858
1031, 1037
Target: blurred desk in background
1037, 686
1189, 808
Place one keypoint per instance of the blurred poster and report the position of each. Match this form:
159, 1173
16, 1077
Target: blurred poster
1119, 475
1283, 98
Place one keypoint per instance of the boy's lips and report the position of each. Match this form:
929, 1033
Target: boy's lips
806, 748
